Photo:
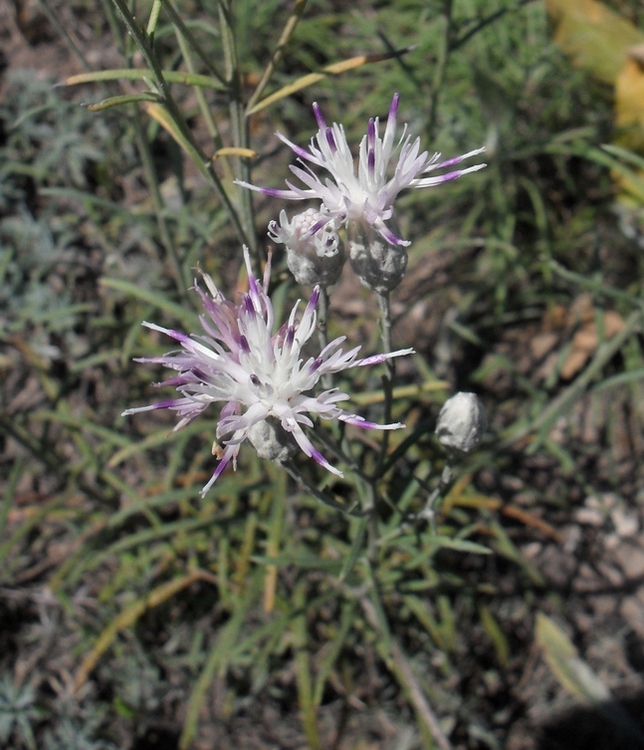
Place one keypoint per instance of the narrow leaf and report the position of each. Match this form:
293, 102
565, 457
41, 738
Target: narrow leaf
143, 74
247, 153
152, 297
330, 70
128, 617
561, 656
577, 677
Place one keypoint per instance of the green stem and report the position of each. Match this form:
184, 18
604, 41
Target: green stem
292, 22
439, 69
204, 164
400, 666
322, 326
291, 469
428, 513
387, 378
158, 203
303, 670
213, 130
188, 36
239, 122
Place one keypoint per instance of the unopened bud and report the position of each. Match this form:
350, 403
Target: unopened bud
271, 441
461, 423
379, 265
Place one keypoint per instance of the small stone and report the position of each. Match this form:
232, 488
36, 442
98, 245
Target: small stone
626, 524
631, 560
531, 550
610, 573
603, 605
589, 516
632, 610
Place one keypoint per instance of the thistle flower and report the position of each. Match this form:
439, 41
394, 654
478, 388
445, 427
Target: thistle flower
314, 253
366, 196
260, 375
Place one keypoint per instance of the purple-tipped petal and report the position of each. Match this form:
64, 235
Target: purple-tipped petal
313, 302
393, 109
376, 359
247, 306
331, 140
223, 463
318, 116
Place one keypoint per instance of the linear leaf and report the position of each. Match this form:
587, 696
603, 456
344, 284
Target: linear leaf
152, 297
117, 101
143, 74
128, 617
329, 70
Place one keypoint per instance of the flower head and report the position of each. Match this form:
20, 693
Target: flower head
259, 374
314, 253
365, 194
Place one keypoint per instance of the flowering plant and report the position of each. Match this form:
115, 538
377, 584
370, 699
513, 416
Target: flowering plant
259, 374
366, 196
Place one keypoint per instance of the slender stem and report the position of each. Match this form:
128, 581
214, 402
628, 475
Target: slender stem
387, 378
303, 665
195, 152
238, 120
372, 530
213, 130
428, 513
158, 203
439, 68
188, 36
291, 469
292, 22
403, 671
322, 326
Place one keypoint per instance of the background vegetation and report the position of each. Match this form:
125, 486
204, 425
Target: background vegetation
134, 613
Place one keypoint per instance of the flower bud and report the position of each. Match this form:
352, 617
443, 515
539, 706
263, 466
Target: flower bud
271, 441
314, 253
461, 423
379, 265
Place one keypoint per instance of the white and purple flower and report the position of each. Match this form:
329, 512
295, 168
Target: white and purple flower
259, 375
314, 253
366, 196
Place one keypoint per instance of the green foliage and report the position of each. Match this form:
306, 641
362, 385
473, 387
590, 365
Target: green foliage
258, 592
69, 736
17, 713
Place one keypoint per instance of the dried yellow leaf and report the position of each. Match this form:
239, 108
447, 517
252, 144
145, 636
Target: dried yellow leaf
594, 36
629, 101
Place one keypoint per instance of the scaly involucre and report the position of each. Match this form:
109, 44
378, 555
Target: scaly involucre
257, 373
